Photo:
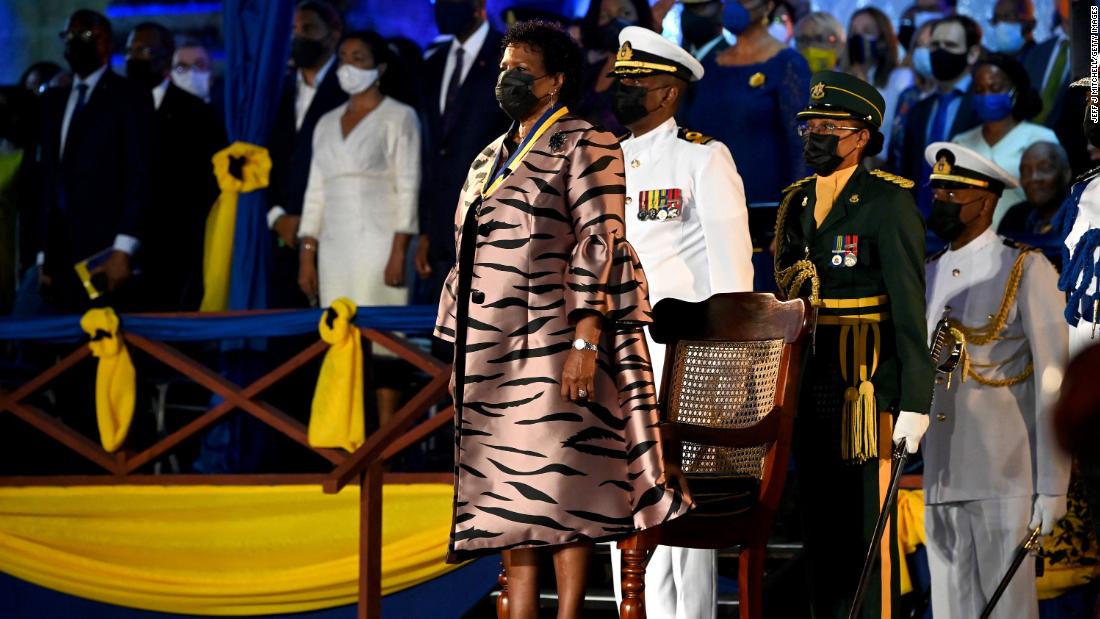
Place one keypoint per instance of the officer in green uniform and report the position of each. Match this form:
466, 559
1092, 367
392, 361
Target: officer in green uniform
852, 241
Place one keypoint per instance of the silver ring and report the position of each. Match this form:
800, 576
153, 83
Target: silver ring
581, 393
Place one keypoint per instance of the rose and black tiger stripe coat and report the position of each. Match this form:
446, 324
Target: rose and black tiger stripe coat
533, 469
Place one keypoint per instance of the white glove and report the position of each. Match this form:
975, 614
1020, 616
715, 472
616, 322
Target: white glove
910, 427
1049, 509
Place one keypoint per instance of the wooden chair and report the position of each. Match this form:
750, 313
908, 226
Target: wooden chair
729, 393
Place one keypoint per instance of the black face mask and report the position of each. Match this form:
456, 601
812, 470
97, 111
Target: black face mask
82, 56
946, 65
515, 93
862, 50
944, 220
629, 103
142, 72
905, 34
699, 30
819, 151
608, 37
453, 18
306, 53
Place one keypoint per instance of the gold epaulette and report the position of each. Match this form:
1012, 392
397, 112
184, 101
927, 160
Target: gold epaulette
693, 136
904, 183
798, 183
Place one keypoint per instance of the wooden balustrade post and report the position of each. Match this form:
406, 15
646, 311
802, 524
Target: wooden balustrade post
370, 541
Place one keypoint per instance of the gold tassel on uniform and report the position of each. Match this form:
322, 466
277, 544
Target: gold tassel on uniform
115, 377
859, 417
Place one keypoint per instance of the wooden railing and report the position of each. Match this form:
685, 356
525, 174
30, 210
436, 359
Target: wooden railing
363, 467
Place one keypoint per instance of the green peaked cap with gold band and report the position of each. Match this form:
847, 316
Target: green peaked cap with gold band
838, 95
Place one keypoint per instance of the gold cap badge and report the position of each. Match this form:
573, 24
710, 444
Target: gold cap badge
626, 52
942, 166
818, 91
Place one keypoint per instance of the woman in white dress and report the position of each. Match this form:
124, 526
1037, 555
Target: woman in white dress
360, 204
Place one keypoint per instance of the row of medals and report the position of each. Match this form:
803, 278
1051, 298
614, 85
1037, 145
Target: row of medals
660, 214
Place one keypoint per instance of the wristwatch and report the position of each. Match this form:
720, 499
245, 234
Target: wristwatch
581, 344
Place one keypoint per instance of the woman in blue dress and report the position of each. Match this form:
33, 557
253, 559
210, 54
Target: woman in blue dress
748, 100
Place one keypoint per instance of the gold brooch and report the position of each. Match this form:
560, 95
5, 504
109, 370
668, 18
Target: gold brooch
854, 199
818, 91
757, 80
626, 52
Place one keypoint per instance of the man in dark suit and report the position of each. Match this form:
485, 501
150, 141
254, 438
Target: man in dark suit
1048, 66
95, 152
309, 92
187, 134
459, 116
956, 46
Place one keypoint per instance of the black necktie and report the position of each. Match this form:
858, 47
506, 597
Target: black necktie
455, 81
81, 99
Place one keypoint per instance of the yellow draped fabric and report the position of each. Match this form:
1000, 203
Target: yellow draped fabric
217, 256
217, 550
115, 378
336, 418
910, 531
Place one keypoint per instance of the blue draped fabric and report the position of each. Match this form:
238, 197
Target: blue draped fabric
257, 42
411, 319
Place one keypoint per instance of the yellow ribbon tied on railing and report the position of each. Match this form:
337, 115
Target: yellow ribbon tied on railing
115, 379
240, 168
336, 418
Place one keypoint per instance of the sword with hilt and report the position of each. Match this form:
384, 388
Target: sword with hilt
945, 359
1026, 547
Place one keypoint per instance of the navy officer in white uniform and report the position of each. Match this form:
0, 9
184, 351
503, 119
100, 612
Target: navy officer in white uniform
690, 226
992, 470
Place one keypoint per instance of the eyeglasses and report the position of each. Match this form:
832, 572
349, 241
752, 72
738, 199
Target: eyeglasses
84, 35
826, 128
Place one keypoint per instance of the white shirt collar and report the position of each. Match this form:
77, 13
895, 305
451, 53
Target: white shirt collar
91, 80
971, 249
472, 46
660, 131
159, 91
317, 79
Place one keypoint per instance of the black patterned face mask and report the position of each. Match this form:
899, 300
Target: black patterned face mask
515, 93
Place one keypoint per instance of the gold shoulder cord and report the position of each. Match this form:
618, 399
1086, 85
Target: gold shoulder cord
991, 332
791, 279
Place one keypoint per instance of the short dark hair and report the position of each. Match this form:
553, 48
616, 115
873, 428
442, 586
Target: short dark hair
560, 53
378, 46
1027, 103
94, 19
167, 39
325, 11
970, 27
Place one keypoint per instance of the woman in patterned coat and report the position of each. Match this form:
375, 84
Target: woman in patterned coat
556, 417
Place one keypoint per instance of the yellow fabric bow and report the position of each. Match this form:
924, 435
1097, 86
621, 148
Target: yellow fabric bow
221, 222
336, 418
115, 379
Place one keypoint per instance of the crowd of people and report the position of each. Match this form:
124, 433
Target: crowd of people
942, 79
522, 181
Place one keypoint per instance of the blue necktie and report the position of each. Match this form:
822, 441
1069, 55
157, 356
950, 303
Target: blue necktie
936, 133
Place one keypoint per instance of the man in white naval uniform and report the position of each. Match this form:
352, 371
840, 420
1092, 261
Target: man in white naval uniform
689, 224
992, 469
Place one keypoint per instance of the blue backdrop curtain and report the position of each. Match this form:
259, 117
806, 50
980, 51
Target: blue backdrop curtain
257, 42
